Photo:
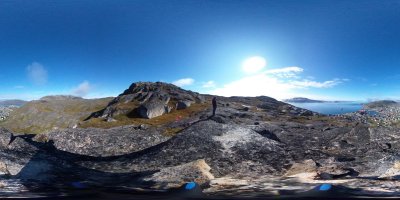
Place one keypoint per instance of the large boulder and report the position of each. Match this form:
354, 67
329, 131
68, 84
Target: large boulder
155, 106
151, 110
183, 104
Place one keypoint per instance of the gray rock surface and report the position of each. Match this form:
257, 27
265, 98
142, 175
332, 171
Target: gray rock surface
14, 157
106, 142
227, 148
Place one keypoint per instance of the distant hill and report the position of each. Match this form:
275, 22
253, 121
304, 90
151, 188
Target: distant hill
12, 102
52, 112
61, 97
378, 104
302, 100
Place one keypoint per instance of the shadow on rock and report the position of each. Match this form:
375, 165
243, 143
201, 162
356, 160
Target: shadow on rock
56, 171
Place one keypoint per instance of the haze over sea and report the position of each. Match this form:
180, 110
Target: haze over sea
332, 108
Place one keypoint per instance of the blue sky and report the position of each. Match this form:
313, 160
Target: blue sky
342, 50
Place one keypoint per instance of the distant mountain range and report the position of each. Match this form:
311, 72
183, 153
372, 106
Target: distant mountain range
12, 102
306, 100
303, 100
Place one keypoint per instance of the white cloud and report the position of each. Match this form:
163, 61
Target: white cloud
83, 89
37, 73
307, 83
287, 72
277, 83
209, 84
183, 82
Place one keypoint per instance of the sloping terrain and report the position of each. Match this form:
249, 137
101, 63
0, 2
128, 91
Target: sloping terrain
52, 112
250, 138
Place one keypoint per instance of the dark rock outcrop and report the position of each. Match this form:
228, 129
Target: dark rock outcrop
156, 105
148, 100
183, 105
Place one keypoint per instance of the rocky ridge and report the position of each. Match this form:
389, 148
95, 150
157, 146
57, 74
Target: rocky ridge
149, 100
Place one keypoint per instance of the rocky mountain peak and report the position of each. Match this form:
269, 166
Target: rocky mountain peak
149, 100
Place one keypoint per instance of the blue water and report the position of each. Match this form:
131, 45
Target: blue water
331, 108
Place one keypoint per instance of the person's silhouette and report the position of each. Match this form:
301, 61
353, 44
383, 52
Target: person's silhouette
214, 104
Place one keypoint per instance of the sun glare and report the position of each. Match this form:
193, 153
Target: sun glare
254, 64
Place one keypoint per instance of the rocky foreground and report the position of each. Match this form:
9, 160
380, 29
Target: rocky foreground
253, 146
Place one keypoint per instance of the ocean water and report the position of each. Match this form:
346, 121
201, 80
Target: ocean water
330, 107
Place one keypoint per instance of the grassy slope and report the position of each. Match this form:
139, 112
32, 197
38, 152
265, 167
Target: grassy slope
157, 121
41, 116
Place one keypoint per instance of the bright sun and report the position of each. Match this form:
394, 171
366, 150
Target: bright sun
254, 64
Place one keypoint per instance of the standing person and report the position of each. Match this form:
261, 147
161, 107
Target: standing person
214, 104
